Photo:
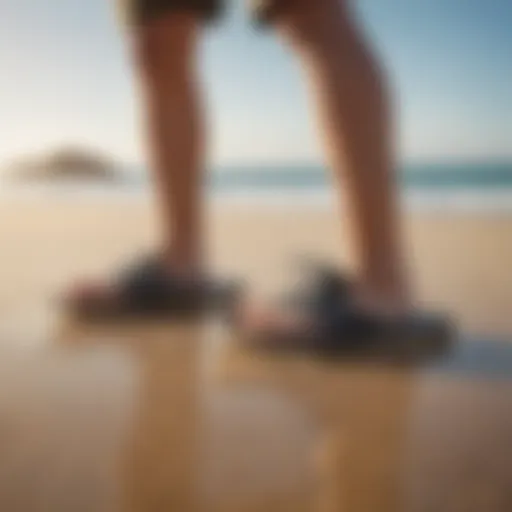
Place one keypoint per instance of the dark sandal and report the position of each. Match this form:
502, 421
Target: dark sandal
147, 289
339, 328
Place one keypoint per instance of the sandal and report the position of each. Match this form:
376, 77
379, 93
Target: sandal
337, 326
148, 289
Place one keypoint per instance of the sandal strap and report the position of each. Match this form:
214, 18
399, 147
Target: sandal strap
320, 288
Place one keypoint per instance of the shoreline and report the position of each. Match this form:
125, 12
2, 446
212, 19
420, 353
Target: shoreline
459, 202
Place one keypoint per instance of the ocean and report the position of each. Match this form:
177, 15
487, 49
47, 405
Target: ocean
482, 186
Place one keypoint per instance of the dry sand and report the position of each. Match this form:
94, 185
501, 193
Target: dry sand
460, 262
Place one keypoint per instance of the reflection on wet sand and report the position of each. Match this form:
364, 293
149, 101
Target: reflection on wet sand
176, 417
65, 417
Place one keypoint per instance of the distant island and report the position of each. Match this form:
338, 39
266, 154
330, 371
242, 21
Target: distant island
66, 163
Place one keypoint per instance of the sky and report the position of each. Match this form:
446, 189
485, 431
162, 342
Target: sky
66, 79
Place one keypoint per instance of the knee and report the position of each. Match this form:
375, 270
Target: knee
308, 23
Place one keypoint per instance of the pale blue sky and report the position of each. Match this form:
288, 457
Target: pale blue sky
65, 78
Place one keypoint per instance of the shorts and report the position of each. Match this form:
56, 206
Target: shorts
138, 12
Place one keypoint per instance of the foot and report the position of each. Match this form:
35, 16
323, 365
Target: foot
329, 318
148, 288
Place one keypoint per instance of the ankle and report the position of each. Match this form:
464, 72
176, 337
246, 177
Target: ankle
384, 301
186, 263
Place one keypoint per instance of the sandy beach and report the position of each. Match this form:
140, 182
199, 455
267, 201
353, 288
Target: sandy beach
170, 417
460, 262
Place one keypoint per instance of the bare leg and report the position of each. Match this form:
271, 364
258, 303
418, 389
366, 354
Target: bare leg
165, 57
165, 51
354, 112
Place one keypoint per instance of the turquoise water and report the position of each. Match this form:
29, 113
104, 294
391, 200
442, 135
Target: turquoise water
482, 186
432, 177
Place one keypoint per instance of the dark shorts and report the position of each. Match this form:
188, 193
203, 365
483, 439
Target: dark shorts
138, 12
